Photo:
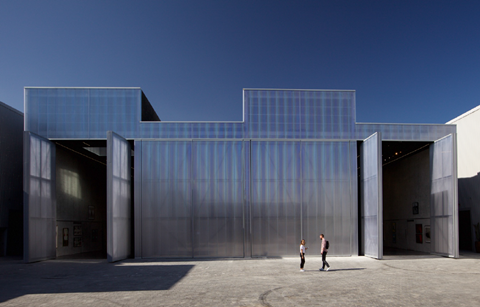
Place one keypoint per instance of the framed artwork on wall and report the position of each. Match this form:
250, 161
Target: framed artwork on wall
77, 242
77, 230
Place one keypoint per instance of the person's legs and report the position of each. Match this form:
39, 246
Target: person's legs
302, 261
325, 260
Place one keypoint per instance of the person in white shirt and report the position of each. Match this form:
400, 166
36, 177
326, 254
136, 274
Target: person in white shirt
302, 255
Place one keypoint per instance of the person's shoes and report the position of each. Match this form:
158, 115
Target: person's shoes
302, 270
328, 268
322, 269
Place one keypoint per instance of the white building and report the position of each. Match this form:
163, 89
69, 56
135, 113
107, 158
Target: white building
468, 159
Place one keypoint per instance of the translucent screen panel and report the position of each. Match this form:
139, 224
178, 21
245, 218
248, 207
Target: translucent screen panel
292, 114
114, 109
223, 199
39, 198
218, 172
272, 114
443, 197
166, 199
299, 114
328, 196
371, 195
276, 198
214, 130
82, 112
119, 206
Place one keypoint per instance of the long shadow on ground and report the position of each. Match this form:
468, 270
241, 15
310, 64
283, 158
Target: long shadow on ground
18, 279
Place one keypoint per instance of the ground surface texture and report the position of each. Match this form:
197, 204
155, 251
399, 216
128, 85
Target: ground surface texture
352, 281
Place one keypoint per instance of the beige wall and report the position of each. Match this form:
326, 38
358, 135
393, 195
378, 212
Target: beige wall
468, 143
468, 157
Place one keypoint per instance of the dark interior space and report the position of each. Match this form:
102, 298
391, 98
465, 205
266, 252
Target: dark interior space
361, 251
406, 182
406, 198
464, 230
14, 234
81, 199
81, 170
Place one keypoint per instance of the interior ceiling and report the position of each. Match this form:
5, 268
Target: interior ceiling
392, 151
78, 146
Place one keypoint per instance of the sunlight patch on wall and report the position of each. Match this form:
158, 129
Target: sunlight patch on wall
70, 183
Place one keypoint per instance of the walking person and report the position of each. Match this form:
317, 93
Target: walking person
302, 255
324, 251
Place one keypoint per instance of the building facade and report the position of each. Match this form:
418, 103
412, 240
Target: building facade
104, 173
468, 129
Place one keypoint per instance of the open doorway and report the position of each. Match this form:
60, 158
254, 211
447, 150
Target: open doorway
81, 184
406, 198
81, 198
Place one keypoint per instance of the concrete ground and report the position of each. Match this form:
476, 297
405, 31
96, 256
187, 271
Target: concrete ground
419, 280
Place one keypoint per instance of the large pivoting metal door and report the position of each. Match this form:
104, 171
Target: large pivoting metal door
443, 198
39, 199
371, 195
119, 205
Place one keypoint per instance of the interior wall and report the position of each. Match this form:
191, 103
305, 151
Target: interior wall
81, 203
406, 182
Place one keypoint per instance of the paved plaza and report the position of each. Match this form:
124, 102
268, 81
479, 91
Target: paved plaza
421, 280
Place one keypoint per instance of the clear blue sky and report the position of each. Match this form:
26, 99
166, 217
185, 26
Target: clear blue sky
409, 61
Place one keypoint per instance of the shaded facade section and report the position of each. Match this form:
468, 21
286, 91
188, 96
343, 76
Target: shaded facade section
11, 168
